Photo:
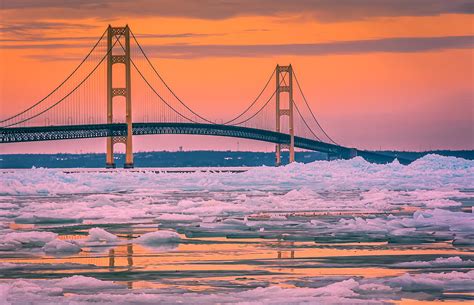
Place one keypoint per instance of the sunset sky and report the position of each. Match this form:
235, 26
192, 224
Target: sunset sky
378, 73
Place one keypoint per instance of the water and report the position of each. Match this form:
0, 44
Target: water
244, 237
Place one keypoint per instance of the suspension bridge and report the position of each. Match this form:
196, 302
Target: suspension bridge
89, 101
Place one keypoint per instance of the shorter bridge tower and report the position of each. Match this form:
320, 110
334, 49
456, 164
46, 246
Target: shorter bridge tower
284, 84
113, 34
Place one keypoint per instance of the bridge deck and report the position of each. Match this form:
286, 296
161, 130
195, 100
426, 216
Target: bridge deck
50, 133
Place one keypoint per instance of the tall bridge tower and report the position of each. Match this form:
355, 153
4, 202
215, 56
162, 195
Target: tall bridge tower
117, 33
284, 83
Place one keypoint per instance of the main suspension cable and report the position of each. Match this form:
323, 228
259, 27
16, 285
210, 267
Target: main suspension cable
311, 111
162, 80
60, 85
254, 101
71, 92
304, 121
153, 89
264, 105
183, 103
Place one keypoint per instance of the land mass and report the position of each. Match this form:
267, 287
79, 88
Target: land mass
202, 158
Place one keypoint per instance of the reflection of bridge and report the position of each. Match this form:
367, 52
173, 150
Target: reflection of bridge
77, 108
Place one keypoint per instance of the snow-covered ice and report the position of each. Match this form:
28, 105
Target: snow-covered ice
339, 232
101, 236
17, 240
158, 237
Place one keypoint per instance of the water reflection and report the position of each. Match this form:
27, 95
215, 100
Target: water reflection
197, 264
286, 254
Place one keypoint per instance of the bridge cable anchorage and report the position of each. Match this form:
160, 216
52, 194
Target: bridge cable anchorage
163, 81
311, 111
264, 105
60, 85
156, 93
72, 91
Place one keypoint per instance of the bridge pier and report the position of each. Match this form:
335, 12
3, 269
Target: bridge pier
118, 33
109, 162
346, 154
351, 153
287, 86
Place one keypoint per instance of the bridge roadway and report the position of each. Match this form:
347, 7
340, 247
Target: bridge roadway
50, 133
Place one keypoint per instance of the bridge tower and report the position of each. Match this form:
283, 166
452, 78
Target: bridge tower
124, 58
284, 84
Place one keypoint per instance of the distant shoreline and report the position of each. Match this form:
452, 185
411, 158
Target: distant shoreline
199, 158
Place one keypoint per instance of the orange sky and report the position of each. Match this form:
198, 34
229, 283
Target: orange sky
410, 88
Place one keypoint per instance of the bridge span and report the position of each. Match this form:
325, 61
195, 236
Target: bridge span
68, 132
85, 105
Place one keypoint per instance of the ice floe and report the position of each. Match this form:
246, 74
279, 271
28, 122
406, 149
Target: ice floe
178, 218
79, 282
454, 261
322, 202
16, 240
158, 238
433, 172
60, 246
98, 235
343, 291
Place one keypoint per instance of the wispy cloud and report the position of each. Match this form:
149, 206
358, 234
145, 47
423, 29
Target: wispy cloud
43, 32
189, 51
27, 28
323, 10
390, 45
44, 46
45, 38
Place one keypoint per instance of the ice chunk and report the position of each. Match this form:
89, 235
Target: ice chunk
26, 239
28, 218
447, 281
61, 246
79, 282
4, 288
454, 261
178, 218
158, 237
341, 289
100, 235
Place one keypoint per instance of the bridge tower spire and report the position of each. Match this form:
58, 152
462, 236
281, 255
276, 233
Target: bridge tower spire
123, 58
284, 83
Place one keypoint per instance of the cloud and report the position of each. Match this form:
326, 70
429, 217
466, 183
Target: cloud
44, 46
46, 31
189, 51
323, 10
390, 45
29, 27
43, 38
52, 57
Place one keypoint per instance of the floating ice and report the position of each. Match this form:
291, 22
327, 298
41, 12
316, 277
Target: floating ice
158, 237
28, 218
345, 291
178, 218
454, 261
430, 221
101, 236
4, 289
60, 246
79, 282
447, 281
31, 239
339, 201
434, 172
